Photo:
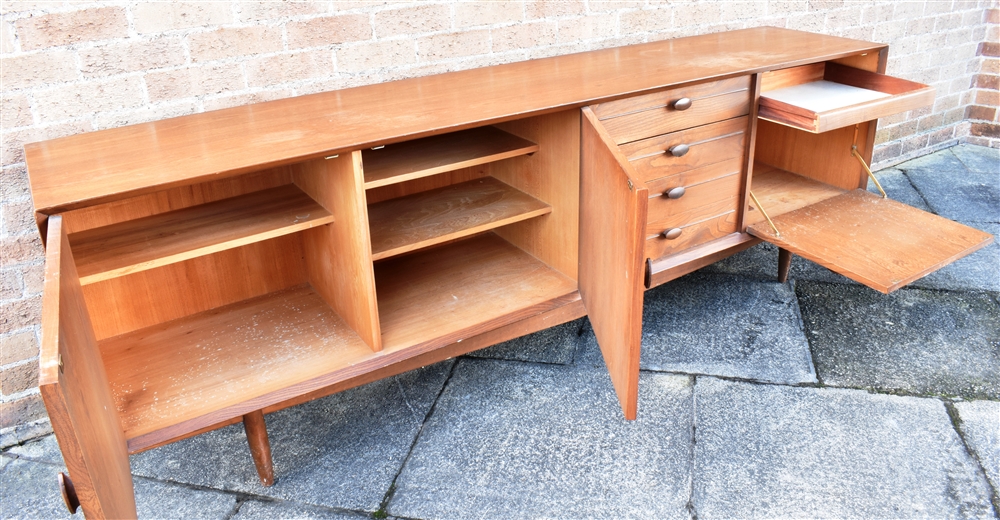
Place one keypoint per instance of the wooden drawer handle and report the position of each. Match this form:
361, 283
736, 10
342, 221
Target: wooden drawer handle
679, 150
68, 493
682, 104
671, 234
675, 193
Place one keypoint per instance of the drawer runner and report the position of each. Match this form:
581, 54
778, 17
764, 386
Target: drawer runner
879, 242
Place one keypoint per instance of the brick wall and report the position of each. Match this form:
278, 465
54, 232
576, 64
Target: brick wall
69, 67
983, 115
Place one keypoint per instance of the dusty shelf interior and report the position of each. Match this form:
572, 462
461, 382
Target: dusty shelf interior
781, 191
201, 364
149, 242
435, 216
441, 153
457, 290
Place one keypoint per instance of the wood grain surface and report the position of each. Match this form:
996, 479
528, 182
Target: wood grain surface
612, 220
441, 153
338, 257
708, 144
116, 163
455, 291
692, 234
780, 191
649, 123
175, 236
433, 217
879, 242
700, 201
74, 387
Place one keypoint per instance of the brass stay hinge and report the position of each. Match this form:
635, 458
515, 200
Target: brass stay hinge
762, 212
854, 152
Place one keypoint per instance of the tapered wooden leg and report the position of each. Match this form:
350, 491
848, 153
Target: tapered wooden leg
784, 264
260, 446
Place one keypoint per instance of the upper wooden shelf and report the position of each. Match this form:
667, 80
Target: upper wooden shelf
444, 214
441, 153
839, 96
85, 169
137, 245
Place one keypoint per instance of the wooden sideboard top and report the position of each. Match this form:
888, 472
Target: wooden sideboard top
106, 165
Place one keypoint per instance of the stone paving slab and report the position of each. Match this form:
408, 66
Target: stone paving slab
519, 440
260, 510
912, 341
978, 271
765, 451
341, 451
553, 345
980, 159
726, 326
29, 489
980, 426
952, 190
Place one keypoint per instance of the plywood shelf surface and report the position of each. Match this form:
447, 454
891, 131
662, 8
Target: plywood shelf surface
458, 290
203, 364
437, 216
781, 191
441, 153
137, 245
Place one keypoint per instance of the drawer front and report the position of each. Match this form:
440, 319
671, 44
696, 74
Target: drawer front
699, 202
677, 152
655, 114
692, 235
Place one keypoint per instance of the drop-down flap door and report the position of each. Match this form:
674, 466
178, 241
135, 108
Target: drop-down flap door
612, 226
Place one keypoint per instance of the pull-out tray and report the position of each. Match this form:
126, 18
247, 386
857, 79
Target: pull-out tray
842, 96
879, 242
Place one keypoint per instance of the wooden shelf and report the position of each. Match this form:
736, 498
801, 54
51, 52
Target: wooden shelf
444, 214
261, 351
137, 245
441, 153
780, 191
452, 292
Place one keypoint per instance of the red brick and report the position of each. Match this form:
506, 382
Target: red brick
20, 248
86, 99
980, 112
371, 56
194, 81
283, 68
18, 347
34, 70
234, 41
988, 97
16, 315
155, 17
585, 28
990, 81
256, 11
33, 275
52, 30
554, 8
991, 130
27, 409
523, 36
18, 217
131, 56
412, 20
991, 49
6, 38
321, 32
469, 14
19, 378
993, 16
12, 151
887, 152
144, 114
15, 111
11, 284
14, 183
453, 45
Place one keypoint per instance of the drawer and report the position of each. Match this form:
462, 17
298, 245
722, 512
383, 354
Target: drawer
698, 202
639, 117
676, 152
691, 235
826, 96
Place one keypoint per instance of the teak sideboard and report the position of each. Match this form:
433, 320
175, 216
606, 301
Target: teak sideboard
208, 269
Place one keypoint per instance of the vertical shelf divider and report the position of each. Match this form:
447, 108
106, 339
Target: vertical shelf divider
339, 255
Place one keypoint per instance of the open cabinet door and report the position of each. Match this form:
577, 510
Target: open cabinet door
876, 241
612, 224
75, 389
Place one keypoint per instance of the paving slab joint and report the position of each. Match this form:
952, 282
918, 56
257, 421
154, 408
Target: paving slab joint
690, 506
382, 511
956, 422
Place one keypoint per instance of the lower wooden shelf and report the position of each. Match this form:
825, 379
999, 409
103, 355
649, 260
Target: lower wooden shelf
205, 365
455, 291
781, 191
